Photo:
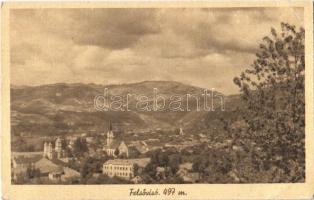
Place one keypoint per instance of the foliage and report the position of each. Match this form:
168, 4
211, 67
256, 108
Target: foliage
104, 179
273, 89
89, 166
168, 160
79, 147
31, 172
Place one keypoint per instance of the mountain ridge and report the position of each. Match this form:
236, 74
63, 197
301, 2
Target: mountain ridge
64, 107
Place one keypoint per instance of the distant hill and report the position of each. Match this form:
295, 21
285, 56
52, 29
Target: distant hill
69, 108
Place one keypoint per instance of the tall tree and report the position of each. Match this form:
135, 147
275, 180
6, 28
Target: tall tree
273, 89
79, 147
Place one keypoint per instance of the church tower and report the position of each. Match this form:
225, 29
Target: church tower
51, 152
58, 147
181, 131
45, 149
110, 135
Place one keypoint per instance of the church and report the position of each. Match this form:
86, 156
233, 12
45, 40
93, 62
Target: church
57, 151
114, 146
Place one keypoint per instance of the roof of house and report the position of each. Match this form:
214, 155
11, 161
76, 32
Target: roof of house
186, 165
19, 170
27, 159
70, 173
153, 143
137, 179
47, 166
133, 150
115, 144
191, 177
141, 162
59, 162
160, 169
59, 172
139, 146
27, 153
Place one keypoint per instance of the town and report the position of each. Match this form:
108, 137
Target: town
115, 158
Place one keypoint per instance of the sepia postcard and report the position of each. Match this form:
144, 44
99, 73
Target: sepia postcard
157, 100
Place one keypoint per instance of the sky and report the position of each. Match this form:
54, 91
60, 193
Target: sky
205, 47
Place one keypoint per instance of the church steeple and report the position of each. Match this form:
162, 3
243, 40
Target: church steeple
110, 126
110, 135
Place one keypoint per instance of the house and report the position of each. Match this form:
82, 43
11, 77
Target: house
140, 146
117, 148
184, 169
55, 175
69, 174
25, 161
154, 145
234, 175
124, 168
96, 175
55, 170
89, 139
20, 164
137, 180
191, 177
186, 166
46, 166
161, 172
66, 159
71, 141
237, 148
185, 173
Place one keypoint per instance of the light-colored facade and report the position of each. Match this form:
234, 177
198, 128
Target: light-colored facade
58, 148
114, 147
55, 176
49, 152
56, 152
123, 168
123, 149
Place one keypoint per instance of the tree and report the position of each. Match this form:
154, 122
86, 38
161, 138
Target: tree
116, 152
79, 147
21, 178
150, 169
136, 169
273, 89
200, 163
89, 166
174, 162
31, 172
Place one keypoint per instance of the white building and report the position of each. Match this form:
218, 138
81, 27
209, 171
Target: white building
124, 168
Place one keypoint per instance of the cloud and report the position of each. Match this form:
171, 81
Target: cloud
202, 47
224, 29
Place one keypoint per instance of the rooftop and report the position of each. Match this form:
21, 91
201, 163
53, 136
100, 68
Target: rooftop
191, 177
47, 166
27, 159
186, 165
15, 154
141, 162
114, 144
